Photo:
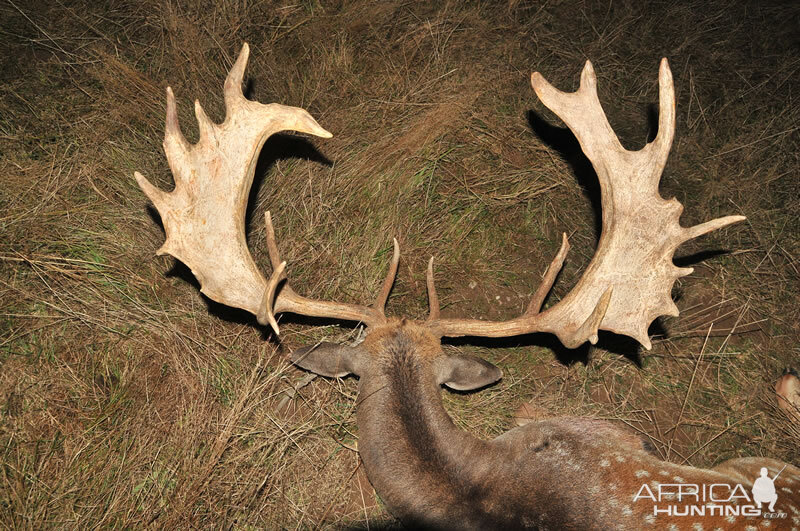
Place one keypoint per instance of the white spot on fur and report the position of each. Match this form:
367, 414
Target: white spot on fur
786, 489
750, 528
605, 463
679, 479
673, 527
627, 511
731, 519
642, 474
697, 526
663, 473
619, 458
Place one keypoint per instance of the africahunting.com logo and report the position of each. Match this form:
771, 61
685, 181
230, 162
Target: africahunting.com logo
716, 499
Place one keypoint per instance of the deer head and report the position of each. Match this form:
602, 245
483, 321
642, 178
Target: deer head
407, 441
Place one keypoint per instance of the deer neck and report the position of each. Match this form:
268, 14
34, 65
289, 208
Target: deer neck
413, 453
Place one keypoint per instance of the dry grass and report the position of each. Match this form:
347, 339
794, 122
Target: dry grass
129, 400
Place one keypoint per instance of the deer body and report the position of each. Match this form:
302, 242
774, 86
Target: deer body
562, 473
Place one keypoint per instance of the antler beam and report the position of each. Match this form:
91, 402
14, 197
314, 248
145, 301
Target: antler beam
289, 301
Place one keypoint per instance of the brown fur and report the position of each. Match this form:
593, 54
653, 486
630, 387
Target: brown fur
562, 473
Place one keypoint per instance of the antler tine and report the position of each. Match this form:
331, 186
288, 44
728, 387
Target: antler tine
535, 306
391, 274
265, 315
233, 81
662, 143
272, 247
640, 230
177, 150
433, 298
287, 300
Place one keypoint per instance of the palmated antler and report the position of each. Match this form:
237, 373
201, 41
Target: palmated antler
626, 285
204, 215
628, 282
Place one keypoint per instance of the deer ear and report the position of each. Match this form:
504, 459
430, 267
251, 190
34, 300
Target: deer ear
327, 359
466, 373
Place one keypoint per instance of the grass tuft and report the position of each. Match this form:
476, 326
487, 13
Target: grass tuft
127, 399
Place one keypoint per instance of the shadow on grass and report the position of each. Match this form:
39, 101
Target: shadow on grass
393, 526
562, 140
280, 146
621, 345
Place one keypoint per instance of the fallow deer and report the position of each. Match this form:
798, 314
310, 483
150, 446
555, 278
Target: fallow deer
572, 473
